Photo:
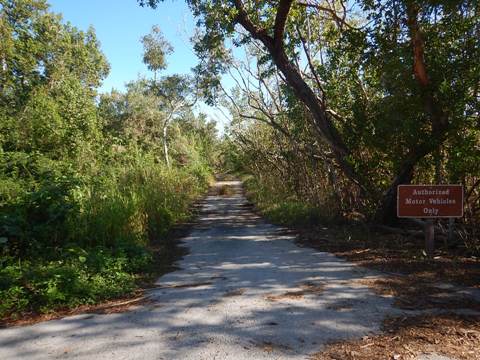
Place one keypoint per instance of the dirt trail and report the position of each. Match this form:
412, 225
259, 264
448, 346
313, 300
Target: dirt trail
244, 291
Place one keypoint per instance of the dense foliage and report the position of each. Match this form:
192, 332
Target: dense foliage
84, 186
338, 102
335, 104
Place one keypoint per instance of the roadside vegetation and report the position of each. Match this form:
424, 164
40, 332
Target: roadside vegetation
89, 184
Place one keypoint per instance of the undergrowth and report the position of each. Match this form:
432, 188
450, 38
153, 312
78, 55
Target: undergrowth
281, 209
70, 241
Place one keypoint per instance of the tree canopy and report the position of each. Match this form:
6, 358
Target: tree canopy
386, 84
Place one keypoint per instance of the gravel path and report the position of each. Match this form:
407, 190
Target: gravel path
245, 291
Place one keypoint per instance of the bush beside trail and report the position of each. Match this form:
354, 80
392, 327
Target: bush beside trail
66, 244
90, 184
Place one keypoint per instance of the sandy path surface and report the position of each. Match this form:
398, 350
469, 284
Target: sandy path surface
244, 291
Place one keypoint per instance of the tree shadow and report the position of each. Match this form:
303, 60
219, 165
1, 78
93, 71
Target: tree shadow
245, 290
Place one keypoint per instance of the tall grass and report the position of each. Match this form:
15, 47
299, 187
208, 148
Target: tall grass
281, 206
99, 246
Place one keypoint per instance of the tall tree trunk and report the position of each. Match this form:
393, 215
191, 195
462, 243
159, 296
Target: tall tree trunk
326, 130
386, 212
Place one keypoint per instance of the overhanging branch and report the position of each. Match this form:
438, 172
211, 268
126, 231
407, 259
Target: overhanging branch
280, 21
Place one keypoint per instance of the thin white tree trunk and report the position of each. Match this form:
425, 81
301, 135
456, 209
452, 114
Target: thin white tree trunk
165, 143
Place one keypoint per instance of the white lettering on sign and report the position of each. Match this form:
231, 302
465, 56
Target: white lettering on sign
431, 192
430, 211
410, 201
430, 201
439, 201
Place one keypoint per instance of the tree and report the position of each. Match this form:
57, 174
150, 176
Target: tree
175, 95
144, 113
172, 92
48, 78
155, 50
393, 32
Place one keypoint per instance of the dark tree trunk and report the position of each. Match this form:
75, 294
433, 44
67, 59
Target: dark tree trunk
322, 123
387, 211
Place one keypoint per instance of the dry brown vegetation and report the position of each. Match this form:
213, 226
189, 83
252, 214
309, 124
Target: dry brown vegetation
393, 254
407, 337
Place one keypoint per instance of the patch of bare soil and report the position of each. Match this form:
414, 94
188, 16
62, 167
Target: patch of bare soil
289, 295
236, 292
341, 305
306, 289
408, 337
226, 190
269, 347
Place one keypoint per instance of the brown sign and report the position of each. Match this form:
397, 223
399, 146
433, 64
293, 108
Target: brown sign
429, 201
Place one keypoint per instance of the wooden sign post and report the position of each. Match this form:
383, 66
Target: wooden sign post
430, 202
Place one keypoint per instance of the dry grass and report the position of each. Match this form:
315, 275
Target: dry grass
269, 347
289, 295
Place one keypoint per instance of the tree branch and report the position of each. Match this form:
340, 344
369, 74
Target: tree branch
257, 32
280, 21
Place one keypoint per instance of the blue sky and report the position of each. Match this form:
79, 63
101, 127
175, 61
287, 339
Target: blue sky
119, 25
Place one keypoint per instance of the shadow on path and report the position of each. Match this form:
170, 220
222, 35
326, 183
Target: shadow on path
244, 291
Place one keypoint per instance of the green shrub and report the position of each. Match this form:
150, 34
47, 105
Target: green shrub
71, 280
281, 208
294, 213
